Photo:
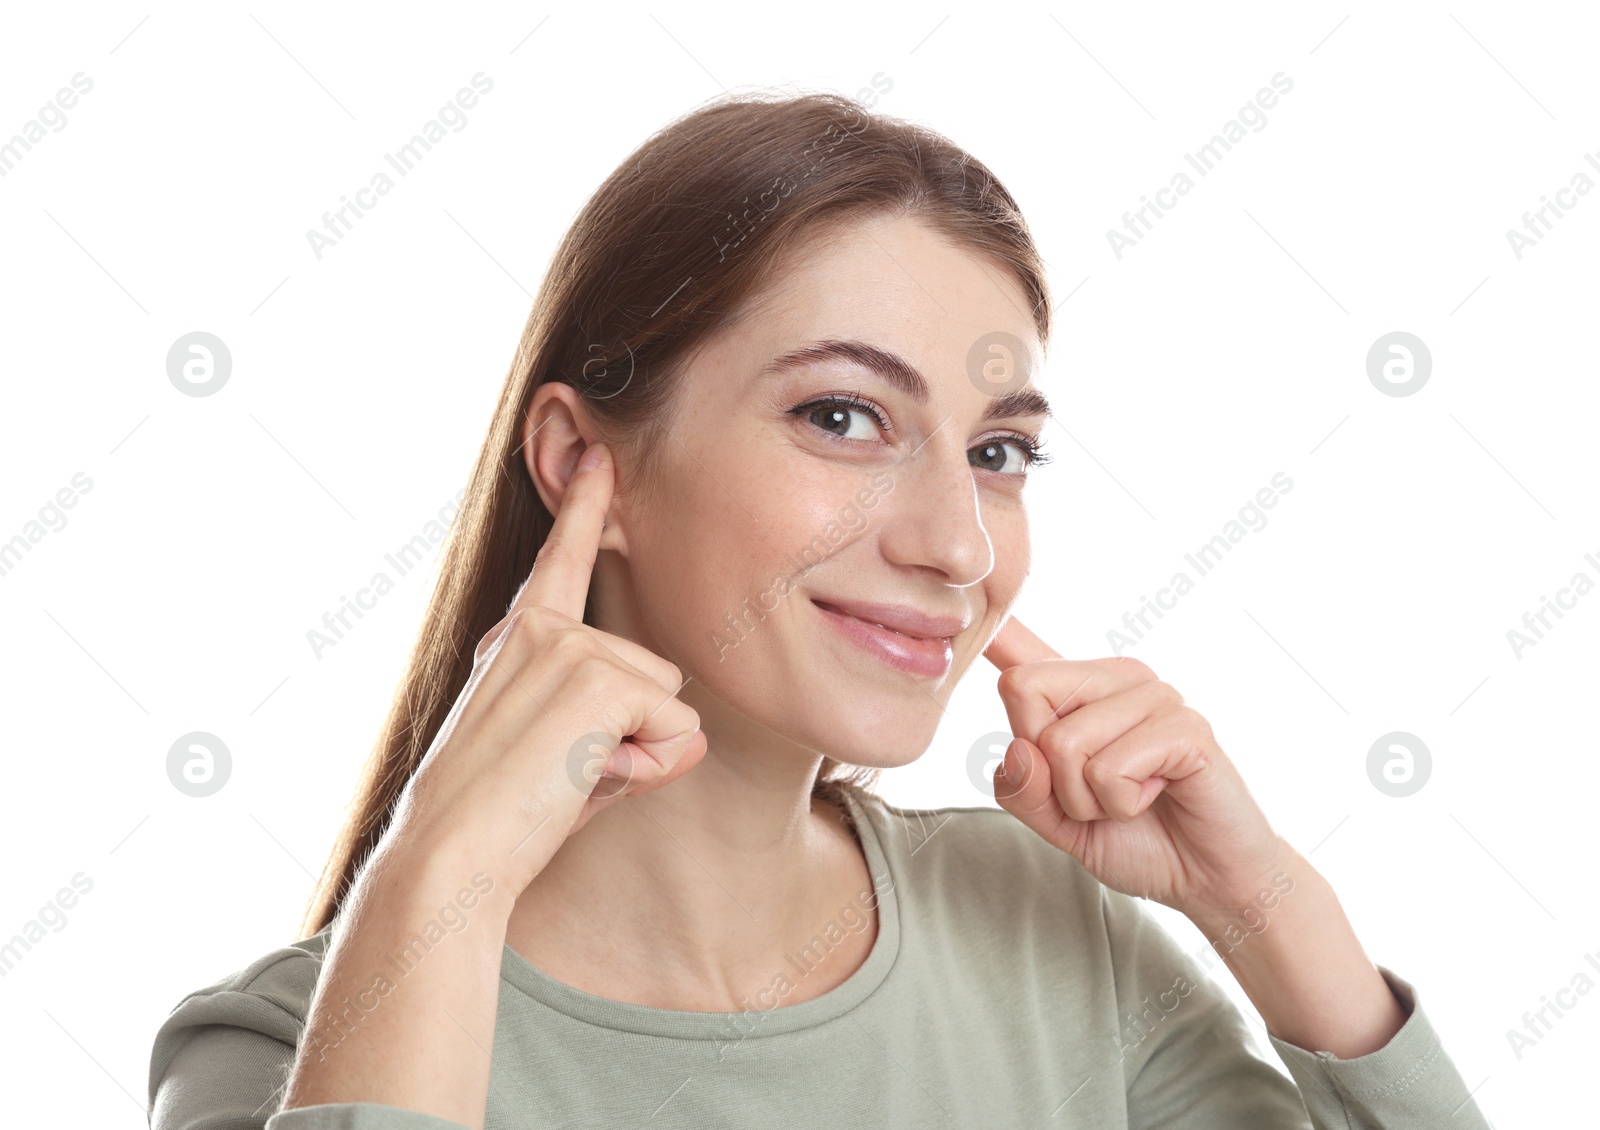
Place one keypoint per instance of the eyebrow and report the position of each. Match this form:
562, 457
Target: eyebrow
899, 374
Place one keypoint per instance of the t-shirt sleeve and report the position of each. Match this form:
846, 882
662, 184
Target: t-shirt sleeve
1189, 1058
221, 1059
1409, 1082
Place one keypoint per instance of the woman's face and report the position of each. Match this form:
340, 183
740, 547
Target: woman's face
796, 504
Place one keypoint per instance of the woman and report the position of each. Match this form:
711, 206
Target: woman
751, 504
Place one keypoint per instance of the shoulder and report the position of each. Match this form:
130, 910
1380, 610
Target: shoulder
254, 1014
275, 988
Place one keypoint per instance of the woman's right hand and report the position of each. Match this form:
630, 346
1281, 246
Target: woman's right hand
515, 767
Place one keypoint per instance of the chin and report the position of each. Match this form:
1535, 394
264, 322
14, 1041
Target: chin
863, 722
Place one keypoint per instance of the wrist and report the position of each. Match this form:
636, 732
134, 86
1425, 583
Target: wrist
1302, 966
1248, 906
436, 881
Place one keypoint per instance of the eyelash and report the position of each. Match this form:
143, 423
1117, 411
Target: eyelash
1032, 448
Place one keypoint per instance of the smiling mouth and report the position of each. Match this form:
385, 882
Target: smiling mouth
826, 607
922, 654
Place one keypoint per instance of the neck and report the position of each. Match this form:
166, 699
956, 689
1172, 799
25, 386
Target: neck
692, 896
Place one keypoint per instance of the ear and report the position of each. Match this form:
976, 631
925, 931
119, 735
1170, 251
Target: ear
555, 433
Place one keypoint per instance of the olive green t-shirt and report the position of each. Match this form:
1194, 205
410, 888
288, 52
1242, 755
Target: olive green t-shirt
1007, 987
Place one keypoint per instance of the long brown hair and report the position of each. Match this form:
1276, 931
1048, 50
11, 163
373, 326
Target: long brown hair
664, 254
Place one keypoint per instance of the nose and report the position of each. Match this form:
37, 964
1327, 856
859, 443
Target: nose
934, 519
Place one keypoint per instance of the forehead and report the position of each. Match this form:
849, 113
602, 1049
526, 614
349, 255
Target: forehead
897, 284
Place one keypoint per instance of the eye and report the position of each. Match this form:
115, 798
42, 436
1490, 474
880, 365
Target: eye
1009, 455
843, 417
848, 417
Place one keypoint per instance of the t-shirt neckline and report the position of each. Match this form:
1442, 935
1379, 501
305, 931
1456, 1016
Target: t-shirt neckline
767, 1015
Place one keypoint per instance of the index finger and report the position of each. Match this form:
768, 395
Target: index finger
565, 562
1015, 644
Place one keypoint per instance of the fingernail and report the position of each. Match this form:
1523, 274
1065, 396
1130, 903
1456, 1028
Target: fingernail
592, 457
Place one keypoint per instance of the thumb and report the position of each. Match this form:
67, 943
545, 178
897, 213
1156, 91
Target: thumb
1022, 783
1023, 787
641, 766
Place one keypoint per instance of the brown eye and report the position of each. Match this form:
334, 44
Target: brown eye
845, 419
1013, 456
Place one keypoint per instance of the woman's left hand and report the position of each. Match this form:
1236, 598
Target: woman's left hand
1113, 768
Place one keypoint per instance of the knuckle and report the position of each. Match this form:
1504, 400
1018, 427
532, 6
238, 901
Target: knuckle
593, 672
1100, 771
1015, 679
519, 634
516, 630
522, 628
572, 643
541, 621
1127, 664
1167, 693
1067, 744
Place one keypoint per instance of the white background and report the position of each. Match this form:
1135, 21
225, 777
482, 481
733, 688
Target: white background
1229, 345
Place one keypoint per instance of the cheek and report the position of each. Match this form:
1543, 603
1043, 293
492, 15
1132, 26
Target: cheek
727, 598
1008, 533
691, 569
1013, 548
818, 512
716, 555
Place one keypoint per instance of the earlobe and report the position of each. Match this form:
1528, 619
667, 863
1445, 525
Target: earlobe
611, 534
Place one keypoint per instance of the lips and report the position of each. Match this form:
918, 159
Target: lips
904, 637
898, 618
